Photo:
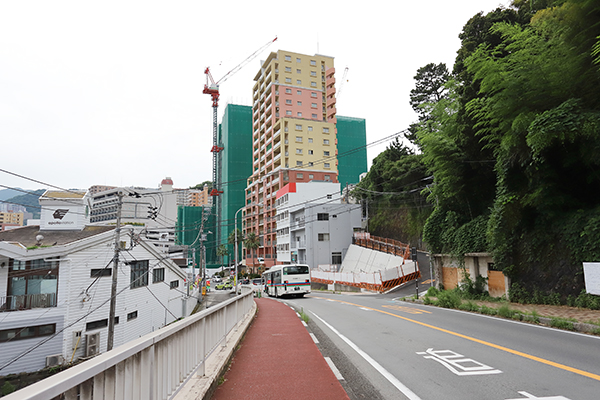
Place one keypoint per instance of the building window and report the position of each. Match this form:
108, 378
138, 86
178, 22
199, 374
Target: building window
325, 130
310, 140
315, 116
313, 84
298, 82
298, 60
310, 128
158, 275
288, 80
336, 258
327, 177
326, 141
299, 113
323, 237
298, 71
322, 217
288, 58
101, 323
313, 94
288, 112
313, 63
300, 176
299, 139
313, 105
310, 152
326, 165
132, 315
326, 153
299, 103
298, 163
311, 176
174, 284
32, 282
310, 164
313, 73
139, 274
288, 101
97, 273
298, 151
27, 332
288, 91
288, 69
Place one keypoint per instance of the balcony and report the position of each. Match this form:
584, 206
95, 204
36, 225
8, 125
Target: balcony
27, 301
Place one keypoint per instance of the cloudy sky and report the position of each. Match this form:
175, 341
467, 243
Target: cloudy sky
110, 92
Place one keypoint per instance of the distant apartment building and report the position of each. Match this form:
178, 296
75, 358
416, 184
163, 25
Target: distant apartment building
12, 218
198, 198
99, 188
297, 137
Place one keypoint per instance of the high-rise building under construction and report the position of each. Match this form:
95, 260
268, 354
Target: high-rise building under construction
294, 138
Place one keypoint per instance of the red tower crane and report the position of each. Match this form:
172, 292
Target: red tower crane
212, 88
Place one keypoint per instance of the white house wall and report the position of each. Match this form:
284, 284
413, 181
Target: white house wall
76, 306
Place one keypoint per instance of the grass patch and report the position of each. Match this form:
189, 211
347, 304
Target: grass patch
304, 315
487, 310
561, 323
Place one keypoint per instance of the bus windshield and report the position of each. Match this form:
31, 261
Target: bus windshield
295, 270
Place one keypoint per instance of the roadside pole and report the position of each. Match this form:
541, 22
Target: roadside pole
115, 271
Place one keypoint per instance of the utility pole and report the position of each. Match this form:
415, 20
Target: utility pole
115, 270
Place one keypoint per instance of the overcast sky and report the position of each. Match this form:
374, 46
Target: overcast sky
110, 92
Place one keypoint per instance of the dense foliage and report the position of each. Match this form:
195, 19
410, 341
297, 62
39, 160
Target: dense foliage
514, 143
392, 193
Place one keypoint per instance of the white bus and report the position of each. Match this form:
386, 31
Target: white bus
287, 280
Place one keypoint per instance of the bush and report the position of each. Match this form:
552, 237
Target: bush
505, 311
432, 291
448, 299
469, 306
488, 311
7, 388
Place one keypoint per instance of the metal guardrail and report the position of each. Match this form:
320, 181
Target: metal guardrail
155, 366
27, 301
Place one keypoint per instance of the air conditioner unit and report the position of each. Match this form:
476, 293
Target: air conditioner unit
52, 361
92, 344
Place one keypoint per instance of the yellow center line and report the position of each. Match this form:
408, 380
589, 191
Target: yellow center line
483, 342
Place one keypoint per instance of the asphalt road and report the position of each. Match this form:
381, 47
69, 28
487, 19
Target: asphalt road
386, 349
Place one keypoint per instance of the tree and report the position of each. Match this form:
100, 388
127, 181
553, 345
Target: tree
222, 251
231, 239
252, 242
200, 186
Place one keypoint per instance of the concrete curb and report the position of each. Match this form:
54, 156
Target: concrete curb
203, 387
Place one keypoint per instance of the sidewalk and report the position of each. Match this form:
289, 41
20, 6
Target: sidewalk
277, 359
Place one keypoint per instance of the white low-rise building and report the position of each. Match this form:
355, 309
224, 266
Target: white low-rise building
314, 226
55, 286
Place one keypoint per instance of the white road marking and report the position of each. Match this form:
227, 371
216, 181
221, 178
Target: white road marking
314, 338
530, 396
386, 374
334, 369
458, 364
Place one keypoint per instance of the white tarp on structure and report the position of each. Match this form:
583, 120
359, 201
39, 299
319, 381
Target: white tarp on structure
361, 265
360, 259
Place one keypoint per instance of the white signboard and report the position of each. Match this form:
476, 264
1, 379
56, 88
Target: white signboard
591, 275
